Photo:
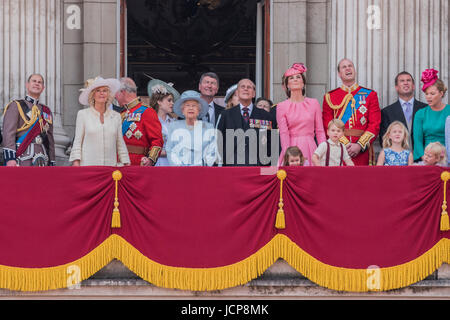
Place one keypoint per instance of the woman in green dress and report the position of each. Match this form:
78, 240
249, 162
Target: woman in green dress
429, 122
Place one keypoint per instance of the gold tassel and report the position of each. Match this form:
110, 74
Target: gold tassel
280, 222
445, 225
115, 223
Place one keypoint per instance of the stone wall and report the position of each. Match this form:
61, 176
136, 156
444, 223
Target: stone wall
89, 49
382, 37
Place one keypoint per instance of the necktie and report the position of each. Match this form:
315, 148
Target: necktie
245, 114
408, 111
208, 115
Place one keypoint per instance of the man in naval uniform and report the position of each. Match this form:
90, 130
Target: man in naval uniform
359, 109
141, 127
28, 129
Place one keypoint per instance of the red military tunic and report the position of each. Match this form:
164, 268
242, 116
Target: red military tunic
142, 132
359, 109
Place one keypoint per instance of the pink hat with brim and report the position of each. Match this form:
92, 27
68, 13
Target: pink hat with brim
297, 68
429, 77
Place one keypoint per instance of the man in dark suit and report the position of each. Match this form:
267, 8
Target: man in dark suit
404, 109
208, 87
246, 131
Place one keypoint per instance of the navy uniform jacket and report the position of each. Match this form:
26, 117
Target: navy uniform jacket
247, 153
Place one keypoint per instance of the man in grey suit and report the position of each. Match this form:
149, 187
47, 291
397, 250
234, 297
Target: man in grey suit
404, 109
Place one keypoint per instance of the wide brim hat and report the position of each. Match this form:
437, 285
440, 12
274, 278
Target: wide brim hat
230, 91
190, 95
91, 84
156, 85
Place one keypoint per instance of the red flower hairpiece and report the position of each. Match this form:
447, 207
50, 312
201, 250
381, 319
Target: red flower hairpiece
295, 69
429, 77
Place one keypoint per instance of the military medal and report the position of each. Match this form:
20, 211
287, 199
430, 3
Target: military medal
362, 99
138, 134
264, 140
133, 126
363, 120
38, 140
47, 117
129, 134
363, 110
134, 117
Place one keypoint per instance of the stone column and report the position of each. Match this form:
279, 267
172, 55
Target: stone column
289, 39
100, 38
30, 42
90, 49
300, 34
385, 37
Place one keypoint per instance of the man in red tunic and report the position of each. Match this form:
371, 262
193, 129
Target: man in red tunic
141, 128
359, 109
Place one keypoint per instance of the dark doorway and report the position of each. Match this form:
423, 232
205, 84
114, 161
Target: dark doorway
178, 40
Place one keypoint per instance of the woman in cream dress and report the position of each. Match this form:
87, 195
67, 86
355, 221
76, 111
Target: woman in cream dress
98, 133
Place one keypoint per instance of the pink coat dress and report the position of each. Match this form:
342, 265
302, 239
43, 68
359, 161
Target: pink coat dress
299, 123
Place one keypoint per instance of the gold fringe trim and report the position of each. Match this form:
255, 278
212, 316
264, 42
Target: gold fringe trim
198, 279
335, 278
364, 280
58, 277
209, 279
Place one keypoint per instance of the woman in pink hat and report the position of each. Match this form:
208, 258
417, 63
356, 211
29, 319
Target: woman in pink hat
429, 122
299, 118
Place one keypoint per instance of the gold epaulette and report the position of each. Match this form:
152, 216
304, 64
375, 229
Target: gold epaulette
349, 97
35, 115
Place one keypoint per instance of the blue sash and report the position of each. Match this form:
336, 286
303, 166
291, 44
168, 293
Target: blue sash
348, 111
126, 123
22, 138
